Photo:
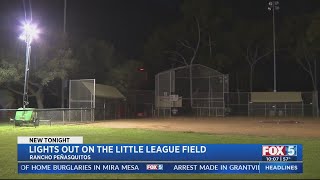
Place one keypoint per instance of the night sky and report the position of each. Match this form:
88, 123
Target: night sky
125, 23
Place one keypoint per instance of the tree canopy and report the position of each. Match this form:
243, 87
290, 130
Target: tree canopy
49, 62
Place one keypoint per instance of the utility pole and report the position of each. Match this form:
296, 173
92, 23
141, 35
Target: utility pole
64, 16
64, 38
274, 6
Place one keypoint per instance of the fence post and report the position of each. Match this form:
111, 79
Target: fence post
115, 111
302, 108
285, 110
152, 113
317, 103
164, 112
248, 104
209, 97
81, 114
93, 111
63, 116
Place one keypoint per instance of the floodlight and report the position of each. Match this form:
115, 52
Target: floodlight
29, 33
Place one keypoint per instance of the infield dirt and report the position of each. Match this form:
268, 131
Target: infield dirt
290, 127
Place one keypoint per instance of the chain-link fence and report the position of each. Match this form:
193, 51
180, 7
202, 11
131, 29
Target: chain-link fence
192, 90
241, 104
236, 104
110, 109
139, 103
82, 95
52, 115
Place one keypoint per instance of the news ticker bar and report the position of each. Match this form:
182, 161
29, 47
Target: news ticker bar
190, 168
159, 152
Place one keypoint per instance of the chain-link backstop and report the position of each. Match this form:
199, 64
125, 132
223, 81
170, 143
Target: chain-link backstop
190, 90
82, 95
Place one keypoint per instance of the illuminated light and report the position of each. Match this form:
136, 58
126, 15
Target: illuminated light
30, 32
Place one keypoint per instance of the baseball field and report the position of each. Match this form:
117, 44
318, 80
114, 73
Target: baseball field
240, 130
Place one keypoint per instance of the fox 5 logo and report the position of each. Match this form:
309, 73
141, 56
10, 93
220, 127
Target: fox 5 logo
279, 150
154, 166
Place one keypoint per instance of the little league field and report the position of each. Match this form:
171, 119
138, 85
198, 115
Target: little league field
151, 132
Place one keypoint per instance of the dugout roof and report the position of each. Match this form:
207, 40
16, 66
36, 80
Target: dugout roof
278, 97
104, 91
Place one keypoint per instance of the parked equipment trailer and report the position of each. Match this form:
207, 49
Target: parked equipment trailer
26, 116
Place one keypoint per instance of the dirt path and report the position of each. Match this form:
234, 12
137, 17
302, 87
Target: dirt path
251, 126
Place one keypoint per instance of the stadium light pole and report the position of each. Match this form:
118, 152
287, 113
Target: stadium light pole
30, 32
274, 6
64, 36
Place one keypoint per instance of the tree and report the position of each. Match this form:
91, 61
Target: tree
96, 59
188, 61
47, 63
250, 44
155, 55
253, 56
306, 51
215, 20
126, 76
7, 99
190, 42
307, 59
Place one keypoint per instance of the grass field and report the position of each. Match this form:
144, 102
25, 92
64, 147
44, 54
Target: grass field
103, 135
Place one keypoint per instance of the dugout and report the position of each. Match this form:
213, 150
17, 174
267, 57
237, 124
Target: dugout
271, 104
109, 103
99, 101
